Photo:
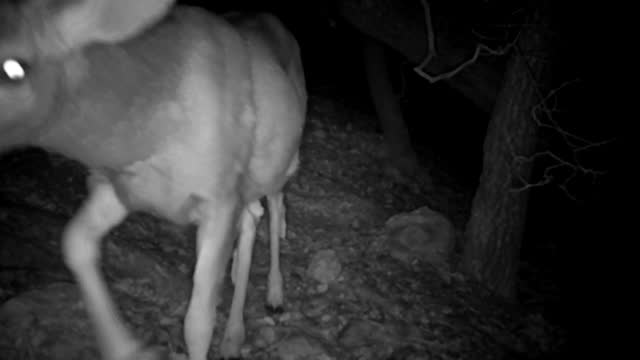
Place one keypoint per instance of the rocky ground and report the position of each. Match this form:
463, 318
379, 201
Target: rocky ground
353, 288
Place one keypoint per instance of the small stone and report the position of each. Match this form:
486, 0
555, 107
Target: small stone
265, 336
301, 348
322, 288
324, 266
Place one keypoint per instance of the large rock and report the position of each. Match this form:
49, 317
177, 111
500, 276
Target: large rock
422, 234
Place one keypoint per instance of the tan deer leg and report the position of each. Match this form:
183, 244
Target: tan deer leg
234, 334
81, 249
277, 231
214, 244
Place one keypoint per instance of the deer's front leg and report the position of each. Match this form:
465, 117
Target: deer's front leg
81, 249
214, 244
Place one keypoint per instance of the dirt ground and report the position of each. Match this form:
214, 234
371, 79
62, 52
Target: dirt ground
377, 308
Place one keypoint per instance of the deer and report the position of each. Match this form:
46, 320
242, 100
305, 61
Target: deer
178, 112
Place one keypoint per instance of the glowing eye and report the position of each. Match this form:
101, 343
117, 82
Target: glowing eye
13, 69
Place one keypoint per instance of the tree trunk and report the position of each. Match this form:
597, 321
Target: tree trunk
387, 108
496, 227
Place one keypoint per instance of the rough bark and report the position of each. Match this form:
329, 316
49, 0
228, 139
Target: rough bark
388, 108
495, 230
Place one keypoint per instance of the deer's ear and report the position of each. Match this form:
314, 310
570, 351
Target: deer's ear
79, 22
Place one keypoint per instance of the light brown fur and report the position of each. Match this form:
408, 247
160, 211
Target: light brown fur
186, 115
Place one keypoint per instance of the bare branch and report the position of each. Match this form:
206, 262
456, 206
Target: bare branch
570, 163
481, 49
431, 42
456, 70
542, 113
430, 33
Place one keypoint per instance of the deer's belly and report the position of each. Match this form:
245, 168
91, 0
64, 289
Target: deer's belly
169, 189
